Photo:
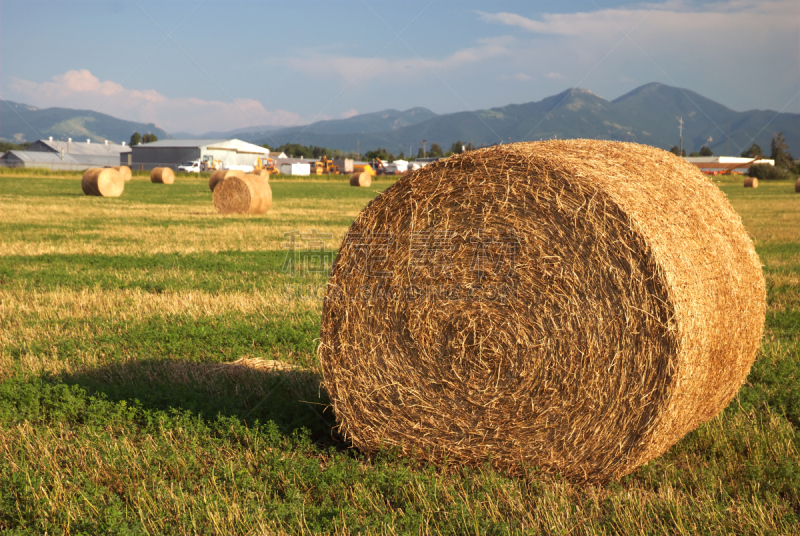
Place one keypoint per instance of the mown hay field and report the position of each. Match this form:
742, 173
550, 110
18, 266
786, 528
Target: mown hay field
128, 402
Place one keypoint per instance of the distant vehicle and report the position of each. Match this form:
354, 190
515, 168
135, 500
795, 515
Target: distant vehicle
192, 166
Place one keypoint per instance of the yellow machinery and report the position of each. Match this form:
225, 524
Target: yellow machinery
361, 168
325, 166
209, 164
267, 164
328, 166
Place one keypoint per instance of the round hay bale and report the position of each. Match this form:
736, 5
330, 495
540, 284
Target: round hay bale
104, 182
247, 194
750, 182
125, 172
261, 172
219, 176
797, 186
361, 179
162, 175
577, 305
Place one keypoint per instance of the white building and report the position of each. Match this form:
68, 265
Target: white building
397, 167
726, 163
296, 168
232, 154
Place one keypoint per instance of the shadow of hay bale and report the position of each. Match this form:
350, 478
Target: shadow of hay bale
249, 389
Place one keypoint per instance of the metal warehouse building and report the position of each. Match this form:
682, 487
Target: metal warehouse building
172, 153
67, 155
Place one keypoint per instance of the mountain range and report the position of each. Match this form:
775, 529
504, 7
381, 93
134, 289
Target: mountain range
649, 114
21, 122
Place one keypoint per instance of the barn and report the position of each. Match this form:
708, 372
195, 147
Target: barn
172, 153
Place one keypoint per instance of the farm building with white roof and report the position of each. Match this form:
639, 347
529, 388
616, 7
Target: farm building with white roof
64, 155
172, 153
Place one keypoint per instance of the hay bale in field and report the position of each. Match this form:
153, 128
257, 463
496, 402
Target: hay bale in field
750, 182
125, 172
573, 305
261, 172
361, 179
248, 194
797, 186
162, 175
219, 176
104, 182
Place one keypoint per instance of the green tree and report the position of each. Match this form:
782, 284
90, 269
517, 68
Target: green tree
677, 151
6, 146
753, 152
457, 148
136, 139
436, 150
149, 138
470, 147
295, 150
420, 154
705, 151
780, 151
380, 152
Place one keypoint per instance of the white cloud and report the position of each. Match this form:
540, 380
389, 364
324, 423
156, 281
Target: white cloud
673, 17
81, 89
349, 113
351, 68
555, 76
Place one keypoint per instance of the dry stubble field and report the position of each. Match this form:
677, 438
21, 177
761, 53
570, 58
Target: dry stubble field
128, 403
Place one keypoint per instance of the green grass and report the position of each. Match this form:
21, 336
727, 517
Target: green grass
122, 410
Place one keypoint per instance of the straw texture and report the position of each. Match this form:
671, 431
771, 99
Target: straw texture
750, 182
125, 172
248, 194
577, 305
104, 182
162, 175
361, 179
219, 176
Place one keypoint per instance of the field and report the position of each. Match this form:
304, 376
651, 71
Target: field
129, 402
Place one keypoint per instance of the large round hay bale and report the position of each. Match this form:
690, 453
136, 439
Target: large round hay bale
797, 186
219, 176
261, 172
361, 179
247, 194
578, 306
162, 175
750, 182
104, 182
125, 172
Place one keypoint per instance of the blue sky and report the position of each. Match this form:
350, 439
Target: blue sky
208, 65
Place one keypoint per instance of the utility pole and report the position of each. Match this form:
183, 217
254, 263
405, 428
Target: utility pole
423, 148
680, 151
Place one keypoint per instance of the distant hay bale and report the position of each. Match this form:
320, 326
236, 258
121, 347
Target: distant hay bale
750, 182
363, 179
797, 186
219, 176
104, 182
578, 306
125, 172
162, 175
248, 194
